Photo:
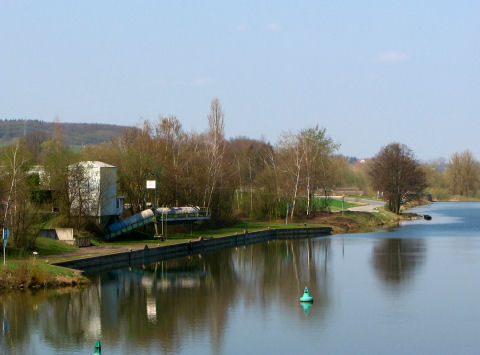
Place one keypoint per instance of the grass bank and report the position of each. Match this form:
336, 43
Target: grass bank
23, 271
32, 274
355, 222
43, 246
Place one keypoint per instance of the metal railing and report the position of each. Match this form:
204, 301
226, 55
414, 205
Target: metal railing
203, 213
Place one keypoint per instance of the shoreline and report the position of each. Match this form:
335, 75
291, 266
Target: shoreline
65, 270
149, 255
35, 274
351, 222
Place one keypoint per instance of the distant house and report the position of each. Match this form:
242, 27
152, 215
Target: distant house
93, 191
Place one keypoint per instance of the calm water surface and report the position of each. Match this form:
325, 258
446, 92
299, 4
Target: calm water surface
412, 289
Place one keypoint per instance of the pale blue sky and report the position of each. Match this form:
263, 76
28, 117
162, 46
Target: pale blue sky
371, 72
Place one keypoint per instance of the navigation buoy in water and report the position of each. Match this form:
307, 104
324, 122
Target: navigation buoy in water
306, 296
98, 348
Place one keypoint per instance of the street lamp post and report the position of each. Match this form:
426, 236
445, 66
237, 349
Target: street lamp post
152, 185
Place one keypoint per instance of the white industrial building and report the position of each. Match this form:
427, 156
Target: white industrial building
93, 191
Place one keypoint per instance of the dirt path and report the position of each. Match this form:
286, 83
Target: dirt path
371, 205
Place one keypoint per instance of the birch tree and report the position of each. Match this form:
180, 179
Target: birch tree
317, 152
292, 158
16, 213
215, 148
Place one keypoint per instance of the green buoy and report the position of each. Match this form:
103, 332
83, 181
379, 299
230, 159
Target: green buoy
98, 348
306, 296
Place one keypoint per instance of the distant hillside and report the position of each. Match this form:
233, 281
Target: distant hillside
73, 133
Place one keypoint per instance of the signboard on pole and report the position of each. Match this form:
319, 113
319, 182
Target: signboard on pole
151, 184
6, 233
5, 238
286, 215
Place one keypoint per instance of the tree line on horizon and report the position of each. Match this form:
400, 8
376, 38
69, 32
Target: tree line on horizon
235, 178
73, 134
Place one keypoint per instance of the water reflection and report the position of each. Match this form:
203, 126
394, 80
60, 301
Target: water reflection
396, 260
158, 307
246, 300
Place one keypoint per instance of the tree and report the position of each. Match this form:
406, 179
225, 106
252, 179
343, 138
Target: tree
33, 142
17, 213
436, 178
215, 148
317, 152
292, 158
396, 172
463, 174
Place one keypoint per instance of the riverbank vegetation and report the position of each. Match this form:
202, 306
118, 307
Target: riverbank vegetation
33, 274
237, 179
457, 179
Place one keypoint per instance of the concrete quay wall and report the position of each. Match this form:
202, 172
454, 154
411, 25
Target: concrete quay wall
150, 255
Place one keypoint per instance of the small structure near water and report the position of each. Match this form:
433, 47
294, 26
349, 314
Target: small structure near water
93, 191
62, 234
65, 235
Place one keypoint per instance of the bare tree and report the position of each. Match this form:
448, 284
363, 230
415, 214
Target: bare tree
215, 148
16, 214
318, 149
292, 157
463, 174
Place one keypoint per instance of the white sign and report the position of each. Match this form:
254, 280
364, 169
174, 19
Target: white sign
151, 184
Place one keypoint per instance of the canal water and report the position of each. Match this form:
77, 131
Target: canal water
411, 289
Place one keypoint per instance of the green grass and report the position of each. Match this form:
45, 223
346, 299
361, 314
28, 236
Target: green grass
35, 273
75, 148
43, 246
336, 205
51, 269
46, 246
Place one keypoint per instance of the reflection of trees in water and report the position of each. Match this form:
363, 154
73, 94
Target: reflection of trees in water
15, 310
158, 306
167, 302
280, 270
75, 314
396, 260
24, 312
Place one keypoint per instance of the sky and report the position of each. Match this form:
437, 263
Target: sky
370, 72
